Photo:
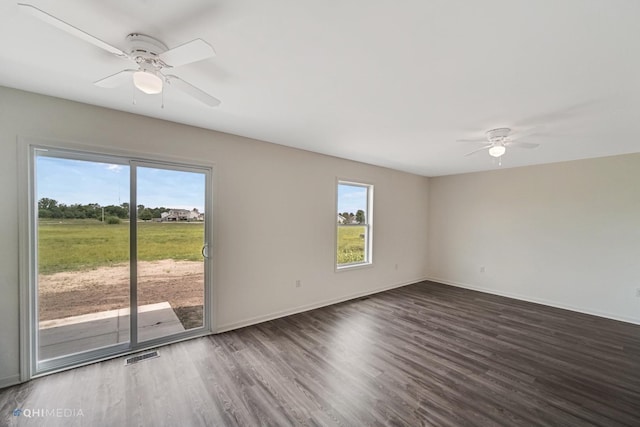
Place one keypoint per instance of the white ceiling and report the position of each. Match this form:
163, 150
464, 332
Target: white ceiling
392, 83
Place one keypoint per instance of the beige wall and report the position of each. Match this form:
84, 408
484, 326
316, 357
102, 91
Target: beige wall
260, 250
564, 234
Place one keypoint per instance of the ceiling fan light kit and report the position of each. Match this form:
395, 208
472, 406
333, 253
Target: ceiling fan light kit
497, 137
147, 82
497, 150
151, 56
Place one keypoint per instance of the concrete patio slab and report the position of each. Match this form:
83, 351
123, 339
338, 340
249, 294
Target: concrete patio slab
74, 334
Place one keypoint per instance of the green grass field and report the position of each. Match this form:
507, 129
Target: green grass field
71, 245
350, 244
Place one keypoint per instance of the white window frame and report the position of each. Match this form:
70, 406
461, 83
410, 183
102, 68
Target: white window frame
368, 245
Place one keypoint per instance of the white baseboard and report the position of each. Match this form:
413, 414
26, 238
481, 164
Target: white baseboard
542, 301
9, 381
308, 307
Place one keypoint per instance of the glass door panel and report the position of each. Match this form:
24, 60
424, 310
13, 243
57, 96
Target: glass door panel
170, 266
82, 262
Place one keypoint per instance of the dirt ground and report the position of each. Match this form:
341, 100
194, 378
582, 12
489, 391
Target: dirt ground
181, 283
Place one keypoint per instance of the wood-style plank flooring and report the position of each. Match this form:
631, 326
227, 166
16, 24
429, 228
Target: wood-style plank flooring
425, 354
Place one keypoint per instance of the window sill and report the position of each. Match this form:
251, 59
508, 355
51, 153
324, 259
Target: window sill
349, 267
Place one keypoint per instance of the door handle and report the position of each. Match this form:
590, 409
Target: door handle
205, 250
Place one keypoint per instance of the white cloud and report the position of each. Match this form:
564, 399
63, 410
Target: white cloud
114, 168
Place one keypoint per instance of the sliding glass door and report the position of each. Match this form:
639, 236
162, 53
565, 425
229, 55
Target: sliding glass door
118, 255
170, 278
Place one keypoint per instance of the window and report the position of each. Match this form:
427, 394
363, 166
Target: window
354, 224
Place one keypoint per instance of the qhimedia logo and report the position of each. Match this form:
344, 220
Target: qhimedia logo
48, 412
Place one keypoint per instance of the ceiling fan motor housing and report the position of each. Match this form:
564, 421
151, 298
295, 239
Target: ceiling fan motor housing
498, 135
144, 49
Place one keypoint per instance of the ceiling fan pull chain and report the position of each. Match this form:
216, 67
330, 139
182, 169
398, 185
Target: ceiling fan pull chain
134, 95
162, 106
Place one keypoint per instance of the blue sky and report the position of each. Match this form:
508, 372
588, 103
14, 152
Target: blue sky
76, 181
351, 198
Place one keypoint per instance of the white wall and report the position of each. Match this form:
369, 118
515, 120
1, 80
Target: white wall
260, 250
564, 234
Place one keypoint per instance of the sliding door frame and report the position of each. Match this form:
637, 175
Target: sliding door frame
30, 367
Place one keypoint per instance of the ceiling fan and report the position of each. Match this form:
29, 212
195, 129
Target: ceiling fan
151, 57
498, 142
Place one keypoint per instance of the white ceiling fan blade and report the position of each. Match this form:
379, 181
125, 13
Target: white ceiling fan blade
575, 111
115, 80
533, 132
193, 51
479, 149
52, 20
193, 91
521, 144
483, 140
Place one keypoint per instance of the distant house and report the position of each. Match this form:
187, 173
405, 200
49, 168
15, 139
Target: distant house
344, 220
177, 215
194, 215
182, 215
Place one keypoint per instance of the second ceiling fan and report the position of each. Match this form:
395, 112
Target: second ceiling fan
152, 58
497, 141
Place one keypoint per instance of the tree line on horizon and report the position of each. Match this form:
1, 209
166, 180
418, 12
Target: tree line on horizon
50, 208
350, 218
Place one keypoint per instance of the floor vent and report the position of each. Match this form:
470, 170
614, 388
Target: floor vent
141, 357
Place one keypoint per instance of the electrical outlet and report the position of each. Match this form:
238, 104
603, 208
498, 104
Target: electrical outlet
298, 283
482, 269
638, 292
396, 267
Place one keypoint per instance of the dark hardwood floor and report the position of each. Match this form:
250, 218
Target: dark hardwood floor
425, 354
